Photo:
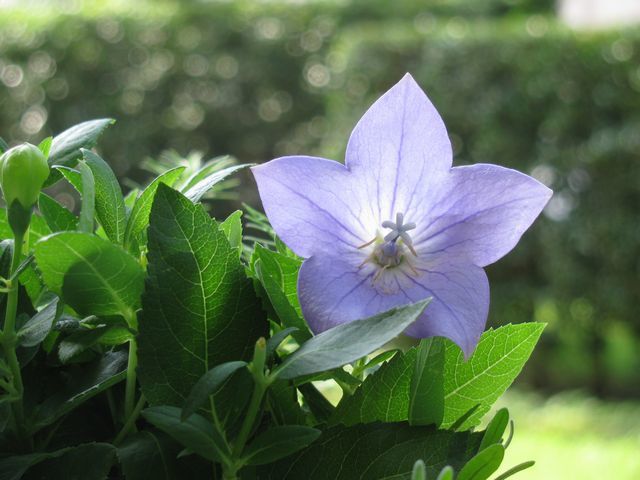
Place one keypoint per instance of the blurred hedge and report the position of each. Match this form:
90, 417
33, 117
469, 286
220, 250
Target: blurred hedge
260, 80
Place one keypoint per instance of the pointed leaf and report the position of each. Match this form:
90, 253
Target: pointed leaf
446, 473
109, 202
91, 274
348, 342
88, 193
518, 468
139, 216
195, 433
45, 146
39, 326
57, 217
66, 146
207, 385
232, 228
149, 455
278, 442
481, 380
419, 471
199, 308
196, 192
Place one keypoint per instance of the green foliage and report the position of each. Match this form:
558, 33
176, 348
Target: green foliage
199, 308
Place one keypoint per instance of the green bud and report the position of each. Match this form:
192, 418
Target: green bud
23, 171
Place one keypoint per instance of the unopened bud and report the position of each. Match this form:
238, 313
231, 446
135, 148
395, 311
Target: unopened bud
23, 171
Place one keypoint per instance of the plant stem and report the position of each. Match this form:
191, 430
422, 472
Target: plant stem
130, 388
252, 412
10, 339
131, 420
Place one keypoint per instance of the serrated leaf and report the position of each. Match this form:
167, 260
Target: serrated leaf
38, 327
197, 191
66, 146
426, 397
199, 308
90, 274
381, 451
277, 443
383, 396
196, 433
87, 382
496, 362
232, 228
207, 386
348, 342
496, 428
482, 465
58, 218
109, 202
139, 216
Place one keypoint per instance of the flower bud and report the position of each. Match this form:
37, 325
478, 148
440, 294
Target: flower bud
23, 171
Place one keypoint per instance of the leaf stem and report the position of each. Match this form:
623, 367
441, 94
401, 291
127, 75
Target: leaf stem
10, 339
131, 420
130, 388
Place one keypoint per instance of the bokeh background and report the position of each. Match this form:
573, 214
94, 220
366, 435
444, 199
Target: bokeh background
549, 88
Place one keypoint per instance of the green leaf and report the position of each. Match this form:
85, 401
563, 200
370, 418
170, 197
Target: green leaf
91, 461
195, 433
88, 193
518, 468
45, 146
38, 327
318, 404
196, 192
383, 396
277, 443
496, 428
109, 202
380, 451
481, 380
139, 216
58, 218
65, 148
426, 398
232, 228
87, 381
483, 464
348, 342
277, 339
3, 145
38, 228
207, 386
284, 271
281, 304
199, 308
149, 455
91, 274
282, 402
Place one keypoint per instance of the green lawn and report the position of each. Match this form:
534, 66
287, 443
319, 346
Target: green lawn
571, 436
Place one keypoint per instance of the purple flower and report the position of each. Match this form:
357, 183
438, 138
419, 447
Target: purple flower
397, 223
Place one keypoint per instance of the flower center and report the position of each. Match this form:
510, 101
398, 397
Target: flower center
390, 251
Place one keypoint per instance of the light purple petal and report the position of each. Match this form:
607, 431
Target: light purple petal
312, 204
398, 149
332, 291
482, 214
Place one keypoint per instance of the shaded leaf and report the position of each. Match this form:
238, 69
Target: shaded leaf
199, 308
91, 274
109, 202
348, 342
426, 397
58, 218
149, 455
380, 451
38, 327
277, 443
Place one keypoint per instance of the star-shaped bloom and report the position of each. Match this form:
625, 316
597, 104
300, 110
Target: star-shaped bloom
449, 222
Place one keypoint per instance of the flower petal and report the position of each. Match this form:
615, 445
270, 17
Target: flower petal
399, 147
460, 302
482, 213
312, 204
332, 292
